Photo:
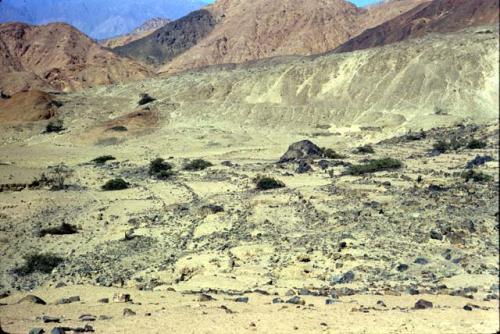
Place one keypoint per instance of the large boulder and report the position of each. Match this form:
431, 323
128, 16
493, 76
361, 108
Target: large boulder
301, 150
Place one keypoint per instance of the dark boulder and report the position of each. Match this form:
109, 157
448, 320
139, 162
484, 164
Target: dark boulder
301, 150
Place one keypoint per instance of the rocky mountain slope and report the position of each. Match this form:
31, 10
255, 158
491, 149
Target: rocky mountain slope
142, 31
59, 57
444, 77
436, 16
95, 18
235, 31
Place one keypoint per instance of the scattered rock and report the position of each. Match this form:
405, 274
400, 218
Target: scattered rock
36, 331
277, 300
436, 235
85, 329
296, 301
105, 317
423, 304
32, 299
241, 300
103, 300
69, 300
290, 293
87, 317
304, 167
301, 150
478, 161
470, 307
212, 209
47, 319
203, 297
128, 312
122, 298
421, 261
330, 301
381, 303
57, 330
348, 277
402, 267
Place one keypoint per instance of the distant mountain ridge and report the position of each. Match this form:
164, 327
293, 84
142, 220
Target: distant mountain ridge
236, 31
142, 31
115, 18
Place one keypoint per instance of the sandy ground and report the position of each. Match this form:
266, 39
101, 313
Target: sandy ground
172, 312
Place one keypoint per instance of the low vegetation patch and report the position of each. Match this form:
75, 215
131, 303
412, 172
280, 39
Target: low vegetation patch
328, 153
64, 229
160, 169
443, 146
366, 149
54, 126
374, 166
197, 165
115, 184
268, 183
476, 144
476, 176
55, 180
42, 263
103, 159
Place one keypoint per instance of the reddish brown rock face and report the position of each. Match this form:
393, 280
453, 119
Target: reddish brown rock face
58, 56
436, 16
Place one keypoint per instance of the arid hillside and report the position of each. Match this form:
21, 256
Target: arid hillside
142, 31
58, 57
439, 16
236, 31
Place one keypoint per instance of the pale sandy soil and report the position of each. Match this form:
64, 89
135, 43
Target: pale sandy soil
171, 312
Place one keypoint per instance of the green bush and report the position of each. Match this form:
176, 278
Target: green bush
103, 159
267, 183
197, 164
475, 144
43, 263
54, 126
476, 176
115, 184
331, 154
367, 149
374, 166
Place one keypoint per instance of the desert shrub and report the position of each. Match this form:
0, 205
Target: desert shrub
366, 149
267, 183
55, 179
115, 184
160, 169
476, 176
197, 164
441, 146
63, 229
331, 154
145, 99
374, 166
42, 263
54, 126
476, 144
414, 136
103, 159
